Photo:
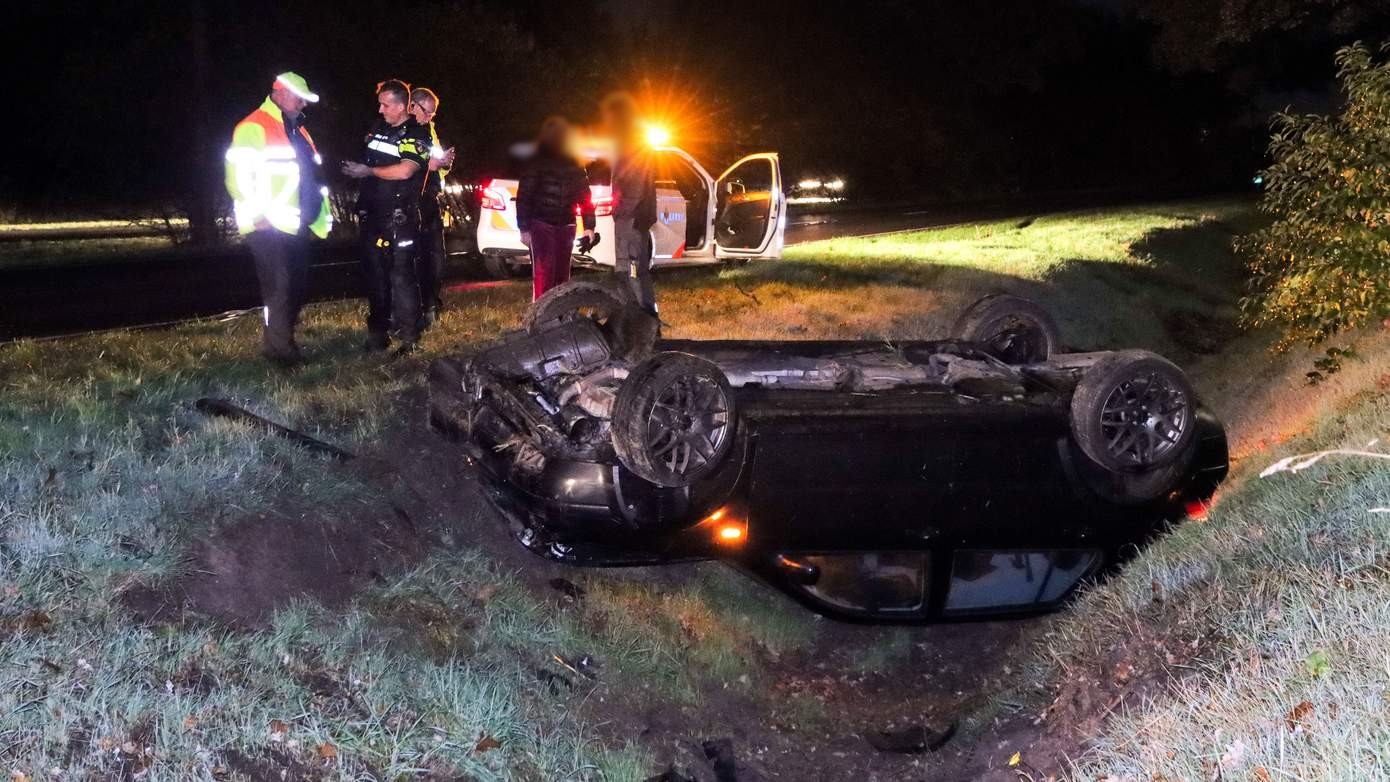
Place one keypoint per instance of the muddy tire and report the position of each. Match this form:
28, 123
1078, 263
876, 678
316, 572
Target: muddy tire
1015, 330
674, 419
1134, 412
597, 299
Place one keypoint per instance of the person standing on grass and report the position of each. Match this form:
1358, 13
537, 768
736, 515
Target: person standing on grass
552, 189
280, 203
393, 168
634, 200
430, 253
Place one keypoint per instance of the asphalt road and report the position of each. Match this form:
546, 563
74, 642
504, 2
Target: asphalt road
146, 289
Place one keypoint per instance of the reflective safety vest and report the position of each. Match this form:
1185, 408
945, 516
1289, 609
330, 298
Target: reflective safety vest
263, 175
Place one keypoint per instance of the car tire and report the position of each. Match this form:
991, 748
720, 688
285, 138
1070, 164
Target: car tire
600, 299
502, 267
1013, 329
1133, 412
674, 419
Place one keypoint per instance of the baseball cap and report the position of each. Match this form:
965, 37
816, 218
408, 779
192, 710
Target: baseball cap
296, 84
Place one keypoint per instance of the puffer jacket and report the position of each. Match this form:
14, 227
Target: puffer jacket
551, 188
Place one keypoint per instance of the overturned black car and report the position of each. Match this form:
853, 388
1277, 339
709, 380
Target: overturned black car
985, 474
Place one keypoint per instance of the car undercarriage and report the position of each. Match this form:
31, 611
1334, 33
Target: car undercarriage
605, 445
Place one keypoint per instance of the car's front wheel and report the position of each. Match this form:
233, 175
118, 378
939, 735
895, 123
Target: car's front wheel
674, 419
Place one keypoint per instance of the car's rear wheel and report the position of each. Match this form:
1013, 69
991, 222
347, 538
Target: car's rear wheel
674, 419
597, 299
1013, 329
1134, 411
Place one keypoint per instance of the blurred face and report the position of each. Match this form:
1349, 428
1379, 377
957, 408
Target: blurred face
423, 110
292, 105
390, 109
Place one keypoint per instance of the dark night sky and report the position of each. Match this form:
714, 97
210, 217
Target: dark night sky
906, 99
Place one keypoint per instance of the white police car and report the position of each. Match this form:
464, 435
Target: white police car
700, 219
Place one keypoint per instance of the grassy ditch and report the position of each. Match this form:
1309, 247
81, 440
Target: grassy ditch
126, 516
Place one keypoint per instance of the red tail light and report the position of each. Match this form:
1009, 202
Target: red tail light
494, 197
603, 206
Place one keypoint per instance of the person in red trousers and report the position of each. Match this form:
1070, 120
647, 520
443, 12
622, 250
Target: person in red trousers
553, 188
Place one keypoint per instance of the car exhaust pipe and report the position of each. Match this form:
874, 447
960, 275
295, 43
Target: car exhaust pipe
799, 572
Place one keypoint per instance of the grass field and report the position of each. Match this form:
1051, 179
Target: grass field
437, 657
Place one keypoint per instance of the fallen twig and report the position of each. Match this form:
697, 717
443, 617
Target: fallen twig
224, 409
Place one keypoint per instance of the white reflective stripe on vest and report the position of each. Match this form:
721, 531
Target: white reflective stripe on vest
257, 172
385, 147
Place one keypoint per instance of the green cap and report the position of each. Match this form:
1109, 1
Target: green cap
296, 84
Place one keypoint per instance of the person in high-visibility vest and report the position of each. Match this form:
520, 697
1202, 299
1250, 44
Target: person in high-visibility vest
429, 250
280, 203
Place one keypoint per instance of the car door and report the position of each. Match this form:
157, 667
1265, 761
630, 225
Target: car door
750, 215
668, 234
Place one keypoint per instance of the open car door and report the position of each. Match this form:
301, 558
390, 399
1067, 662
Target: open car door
750, 215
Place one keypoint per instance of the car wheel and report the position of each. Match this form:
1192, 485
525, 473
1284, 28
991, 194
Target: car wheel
502, 267
599, 300
674, 419
1013, 329
1134, 411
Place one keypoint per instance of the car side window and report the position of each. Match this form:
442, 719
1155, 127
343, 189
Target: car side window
991, 580
870, 582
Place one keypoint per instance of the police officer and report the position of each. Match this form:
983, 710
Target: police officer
394, 165
634, 200
280, 203
430, 252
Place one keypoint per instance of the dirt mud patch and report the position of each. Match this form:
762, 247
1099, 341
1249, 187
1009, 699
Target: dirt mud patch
252, 566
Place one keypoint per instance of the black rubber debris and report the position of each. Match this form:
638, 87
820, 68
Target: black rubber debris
720, 754
224, 409
568, 588
913, 740
671, 775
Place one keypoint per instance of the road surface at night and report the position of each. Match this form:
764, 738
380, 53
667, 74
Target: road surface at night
130, 291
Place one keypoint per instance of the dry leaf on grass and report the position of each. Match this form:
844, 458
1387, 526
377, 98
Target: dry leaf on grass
486, 743
1298, 716
327, 751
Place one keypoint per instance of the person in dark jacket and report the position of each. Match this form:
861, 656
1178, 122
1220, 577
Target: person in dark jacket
634, 200
552, 188
395, 161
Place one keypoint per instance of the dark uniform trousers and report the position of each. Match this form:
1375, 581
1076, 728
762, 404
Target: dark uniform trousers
388, 266
632, 260
429, 263
282, 267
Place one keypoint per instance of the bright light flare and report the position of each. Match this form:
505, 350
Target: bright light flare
728, 528
809, 184
657, 136
835, 184
731, 533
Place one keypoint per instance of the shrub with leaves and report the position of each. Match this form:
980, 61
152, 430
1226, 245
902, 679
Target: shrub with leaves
1323, 265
